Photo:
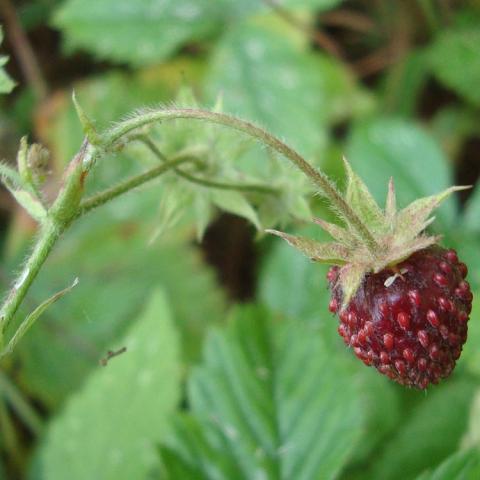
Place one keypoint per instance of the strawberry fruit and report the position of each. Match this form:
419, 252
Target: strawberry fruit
402, 300
410, 325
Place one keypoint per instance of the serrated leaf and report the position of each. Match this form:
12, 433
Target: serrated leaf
236, 203
464, 465
455, 60
109, 429
429, 434
332, 253
361, 201
414, 218
258, 417
136, 32
27, 323
391, 147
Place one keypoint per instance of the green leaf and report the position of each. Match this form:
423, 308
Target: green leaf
109, 429
428, 434
6, 83
236, 203
455, 60
472, 437
390, 147
471, 352
258, 416
238, 10
464, 465
290, 284
471, 216
26, 324
331, 253
269, 75
118, 272
133, 31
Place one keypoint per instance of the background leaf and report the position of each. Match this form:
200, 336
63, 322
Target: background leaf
258, 417
461, 466
430, 432
103, 305
136, 32
261, 67
455, 60
109, 428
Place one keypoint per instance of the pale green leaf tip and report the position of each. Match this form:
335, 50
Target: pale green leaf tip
87, 124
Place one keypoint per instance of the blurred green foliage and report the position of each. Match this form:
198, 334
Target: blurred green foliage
207, 389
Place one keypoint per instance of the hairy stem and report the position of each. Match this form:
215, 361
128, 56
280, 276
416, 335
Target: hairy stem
103, 197
242, 187
49, 234
319, 178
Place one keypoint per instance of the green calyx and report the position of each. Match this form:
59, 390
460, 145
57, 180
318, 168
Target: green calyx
397, 233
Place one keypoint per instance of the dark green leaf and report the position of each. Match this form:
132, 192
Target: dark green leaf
258, 416
429, 434
463, 465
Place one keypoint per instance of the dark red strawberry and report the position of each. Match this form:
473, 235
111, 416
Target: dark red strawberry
402, 300
410, 322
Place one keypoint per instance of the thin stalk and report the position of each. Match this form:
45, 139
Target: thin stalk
319, 178
101, 198
242, 187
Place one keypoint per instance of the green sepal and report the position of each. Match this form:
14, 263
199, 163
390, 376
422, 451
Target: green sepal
338, 233
362, 202
350, 279
87, 124
7, 173
22, 161
391, 204
27, 200
332, 253
414, 218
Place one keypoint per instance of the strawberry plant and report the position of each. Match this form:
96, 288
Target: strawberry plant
153, 324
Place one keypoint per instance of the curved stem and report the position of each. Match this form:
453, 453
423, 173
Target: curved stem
242, 187
103, 197
320, 179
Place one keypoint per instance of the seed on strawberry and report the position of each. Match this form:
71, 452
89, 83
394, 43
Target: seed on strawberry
420, 333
